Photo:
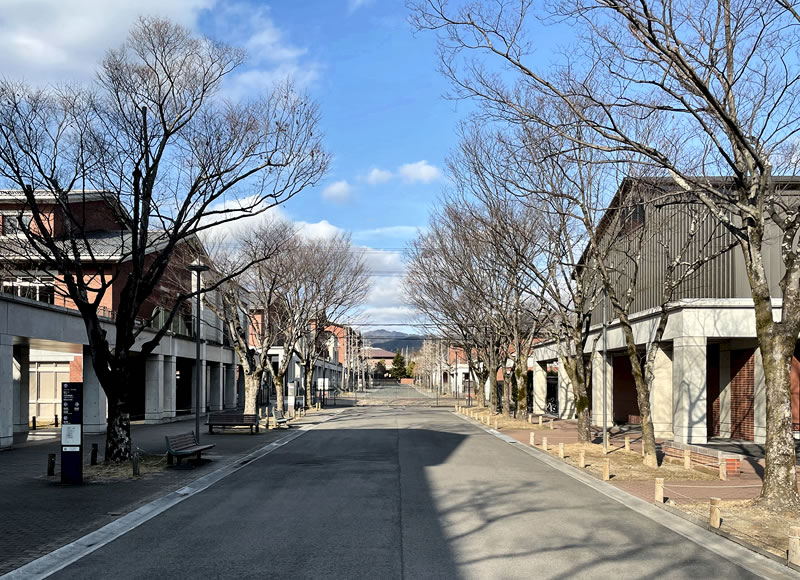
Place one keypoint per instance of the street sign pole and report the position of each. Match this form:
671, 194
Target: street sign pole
72, 433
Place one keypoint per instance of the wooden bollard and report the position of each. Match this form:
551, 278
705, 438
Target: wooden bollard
544, 443
723, 468
551, 424
532, 439
135, 462
51, 464
606, 469
714, 514
794, 545
495, 424
627, 443
561, 450
581, 458
687, 459
540, 420
659, 497
33, 423
530, 419
93, 455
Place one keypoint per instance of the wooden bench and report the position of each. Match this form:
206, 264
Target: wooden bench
232, 420
704, 456
182, 445
280, 418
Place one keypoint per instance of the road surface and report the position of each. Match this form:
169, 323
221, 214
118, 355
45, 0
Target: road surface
381, 492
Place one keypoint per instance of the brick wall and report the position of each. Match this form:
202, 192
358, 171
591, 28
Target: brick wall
742, 393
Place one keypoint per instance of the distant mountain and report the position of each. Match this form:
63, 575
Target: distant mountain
393, 340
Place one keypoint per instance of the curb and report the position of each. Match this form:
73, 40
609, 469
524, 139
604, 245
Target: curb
739, 553
69, 554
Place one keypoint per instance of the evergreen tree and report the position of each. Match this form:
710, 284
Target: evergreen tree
398, 370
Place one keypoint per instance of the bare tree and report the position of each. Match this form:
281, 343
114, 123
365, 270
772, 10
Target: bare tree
722, 79
171, 160
337, 283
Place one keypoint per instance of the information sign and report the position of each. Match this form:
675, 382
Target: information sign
72, 433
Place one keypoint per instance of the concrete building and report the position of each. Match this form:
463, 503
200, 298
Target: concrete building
709, 380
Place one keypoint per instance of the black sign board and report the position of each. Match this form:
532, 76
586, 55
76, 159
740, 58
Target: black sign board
72, 433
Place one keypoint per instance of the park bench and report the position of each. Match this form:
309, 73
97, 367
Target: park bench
232, 420
182, 445
280, 418
704, 456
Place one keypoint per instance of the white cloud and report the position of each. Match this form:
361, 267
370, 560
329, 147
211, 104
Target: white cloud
419, 171
376, 176
47, 41
388, 232
338, 191
318, 230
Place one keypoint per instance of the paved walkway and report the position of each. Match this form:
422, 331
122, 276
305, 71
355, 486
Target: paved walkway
40, 514
745, 486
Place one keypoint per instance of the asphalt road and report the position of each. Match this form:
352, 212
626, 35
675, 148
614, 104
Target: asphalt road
400, 493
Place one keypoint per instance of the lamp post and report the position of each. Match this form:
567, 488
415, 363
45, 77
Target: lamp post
198, 268
605, 370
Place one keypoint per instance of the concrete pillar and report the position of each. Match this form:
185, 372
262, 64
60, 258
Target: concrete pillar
202, 372
689, 389
759, 400
6, 390
566, 398
539, 388
154, 388
229, 386
661, 393
724, 391
94, 398
168, 411
597, 389
215, 402
22, 389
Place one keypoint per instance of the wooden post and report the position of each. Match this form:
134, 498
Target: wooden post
723, 468
540, 420
495, 424
135, 462
794, 545
606, 469
687, 459
551, 424
51, 464
659, 490
544, 443
561, 451
627, 443
533, 439
714, 515
530, 418
581, 458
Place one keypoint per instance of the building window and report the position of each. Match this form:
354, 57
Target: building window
28, 287
9, 223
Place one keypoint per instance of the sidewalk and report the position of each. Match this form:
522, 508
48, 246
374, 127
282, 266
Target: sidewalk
745, 486
39, 514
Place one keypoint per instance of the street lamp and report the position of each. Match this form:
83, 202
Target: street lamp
198, 268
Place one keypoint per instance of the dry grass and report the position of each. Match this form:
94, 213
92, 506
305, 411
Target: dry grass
627, 465
764, 528
149, 465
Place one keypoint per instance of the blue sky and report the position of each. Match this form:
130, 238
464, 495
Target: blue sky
376, 82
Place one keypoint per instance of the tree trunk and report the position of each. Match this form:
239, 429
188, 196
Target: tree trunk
118, 429
576, 371
279, 401
642, 396
506, 393
779, 490
309, 368
252, 383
